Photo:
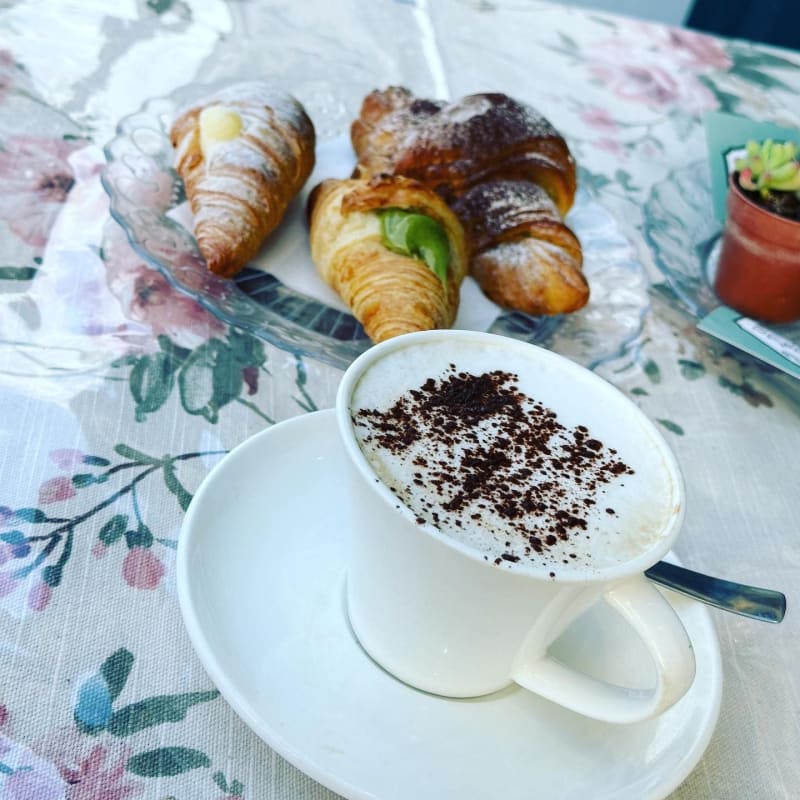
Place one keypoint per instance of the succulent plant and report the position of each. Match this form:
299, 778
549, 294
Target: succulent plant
769, 167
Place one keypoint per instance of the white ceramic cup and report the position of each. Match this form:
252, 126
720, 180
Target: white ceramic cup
437, 615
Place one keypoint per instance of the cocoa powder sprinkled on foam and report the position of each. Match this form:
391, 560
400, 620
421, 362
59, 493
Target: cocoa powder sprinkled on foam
486, 456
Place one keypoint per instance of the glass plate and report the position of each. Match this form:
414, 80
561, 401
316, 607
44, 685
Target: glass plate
280, 297
685, 238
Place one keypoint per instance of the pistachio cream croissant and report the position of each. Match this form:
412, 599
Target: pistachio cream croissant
507, 174
393, 251
243, 154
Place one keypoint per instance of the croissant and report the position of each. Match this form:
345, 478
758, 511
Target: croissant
389, 292
506, 173
453, 146
523, 255
243, 154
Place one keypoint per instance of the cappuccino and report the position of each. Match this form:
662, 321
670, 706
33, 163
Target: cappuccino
504, 455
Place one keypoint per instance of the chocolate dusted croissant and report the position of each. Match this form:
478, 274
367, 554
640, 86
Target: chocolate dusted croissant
389, 290
523, 255
507, 174
453, 146
243, 154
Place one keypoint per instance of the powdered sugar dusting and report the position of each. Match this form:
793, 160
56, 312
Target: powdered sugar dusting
252, 93
496, 208
531, 258
492, 120
452, 146
240, 189
469, 107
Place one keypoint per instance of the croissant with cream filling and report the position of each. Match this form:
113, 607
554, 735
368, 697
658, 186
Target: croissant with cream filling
243, 154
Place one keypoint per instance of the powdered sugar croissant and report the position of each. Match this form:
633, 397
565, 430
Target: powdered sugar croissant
506, 173
390, 292
243, 154
451, 147
524, 256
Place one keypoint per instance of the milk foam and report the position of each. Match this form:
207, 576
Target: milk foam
620, 518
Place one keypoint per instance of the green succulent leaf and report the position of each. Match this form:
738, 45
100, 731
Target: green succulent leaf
769, 165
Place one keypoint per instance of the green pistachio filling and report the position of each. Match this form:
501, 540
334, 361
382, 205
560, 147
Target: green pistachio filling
418, 236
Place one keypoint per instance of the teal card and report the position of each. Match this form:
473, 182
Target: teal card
726, 137
752, 337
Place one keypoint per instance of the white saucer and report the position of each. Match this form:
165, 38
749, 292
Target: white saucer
261, 568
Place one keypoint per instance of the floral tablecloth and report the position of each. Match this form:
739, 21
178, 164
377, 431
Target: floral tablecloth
118, 394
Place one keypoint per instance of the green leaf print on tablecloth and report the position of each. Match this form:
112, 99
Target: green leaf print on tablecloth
34, 541
151, 381
113, 529
209, 377
94, 713
17, 273
154, 711
110, 745
94, 710
167, 761
172, 483
115, 671
691, 370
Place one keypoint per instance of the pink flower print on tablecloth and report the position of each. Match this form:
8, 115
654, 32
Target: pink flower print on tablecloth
39, 596
653, 85
610, 146
7, 68
25, 775
697, 51
36, 179
142, 568
640, 70
26, 784
91, 770
56, 490
7, 583
99, 776
599, 119
99, 549
66, 458
146, 296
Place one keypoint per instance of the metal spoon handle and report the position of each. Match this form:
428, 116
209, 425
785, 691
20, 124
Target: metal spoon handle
749, 601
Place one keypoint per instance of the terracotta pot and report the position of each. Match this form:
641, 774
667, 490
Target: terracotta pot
759, 263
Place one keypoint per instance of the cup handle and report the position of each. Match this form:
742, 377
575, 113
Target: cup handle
656, 624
